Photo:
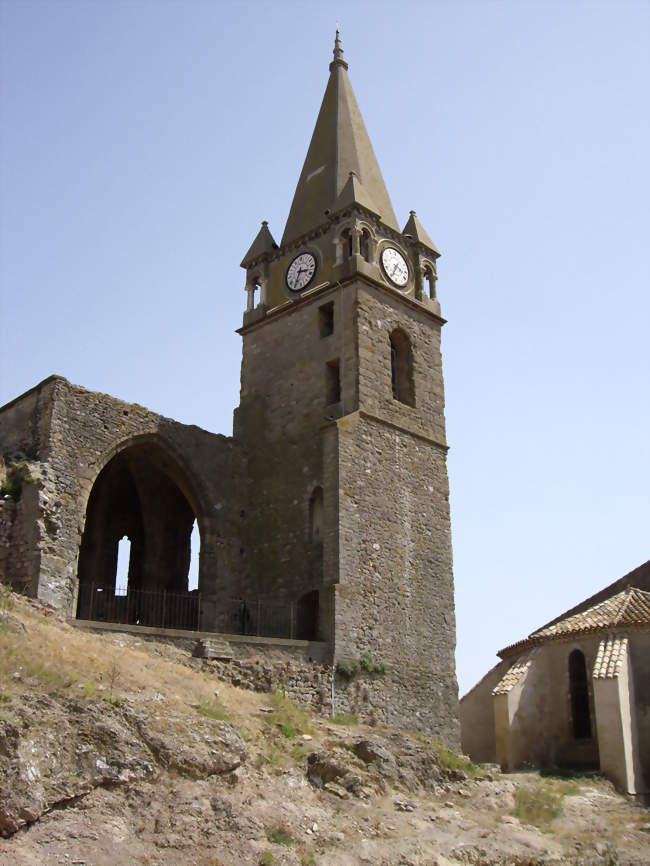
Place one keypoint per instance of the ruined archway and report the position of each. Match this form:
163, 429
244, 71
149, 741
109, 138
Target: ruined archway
141, 495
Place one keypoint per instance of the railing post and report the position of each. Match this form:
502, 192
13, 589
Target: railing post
92, 598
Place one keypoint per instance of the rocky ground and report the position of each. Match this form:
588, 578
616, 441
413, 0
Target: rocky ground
115, 751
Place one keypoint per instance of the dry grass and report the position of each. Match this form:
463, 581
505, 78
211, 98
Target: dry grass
64, 660
539, 803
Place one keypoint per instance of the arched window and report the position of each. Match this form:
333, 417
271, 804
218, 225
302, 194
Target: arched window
316, 516
430, 281
364, 244
346, 237
122, 569
401, 368
579, 696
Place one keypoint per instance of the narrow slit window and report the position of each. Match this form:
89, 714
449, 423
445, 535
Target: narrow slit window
333, 382
326, 319
579, 696
123, 562
401, 368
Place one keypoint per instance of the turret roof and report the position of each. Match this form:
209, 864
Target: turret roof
414, 228
263, 243
353, 193
339, 145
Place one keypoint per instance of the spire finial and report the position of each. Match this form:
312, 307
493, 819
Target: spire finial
339, 60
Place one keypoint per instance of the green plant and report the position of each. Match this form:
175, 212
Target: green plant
5, 698
537, 805
307, 859
214, 711
370, 666
279, 836
348, 669
289, 717
451, 761
344, 719
267, 859
7, 601
12, 487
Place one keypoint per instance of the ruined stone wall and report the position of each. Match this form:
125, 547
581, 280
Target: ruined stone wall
83, 431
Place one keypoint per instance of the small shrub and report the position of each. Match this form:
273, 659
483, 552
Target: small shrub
267, 859
5, 698
279, 836
288, 731
537, 805
344, 719
348, 669
370, 666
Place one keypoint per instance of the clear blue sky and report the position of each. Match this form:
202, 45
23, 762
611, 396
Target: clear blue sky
143, 142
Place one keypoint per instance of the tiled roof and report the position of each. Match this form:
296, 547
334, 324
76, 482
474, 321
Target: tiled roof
629, 608
514, 674
611, 655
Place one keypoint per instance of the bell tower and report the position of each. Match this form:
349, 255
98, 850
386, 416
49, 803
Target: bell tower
342, 430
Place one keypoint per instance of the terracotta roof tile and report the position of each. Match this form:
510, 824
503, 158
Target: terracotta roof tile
612, 651
628, 608
514, 674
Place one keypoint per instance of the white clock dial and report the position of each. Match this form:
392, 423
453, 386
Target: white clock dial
395, 267
301, 271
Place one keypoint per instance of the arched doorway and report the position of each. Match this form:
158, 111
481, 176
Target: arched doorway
139, 513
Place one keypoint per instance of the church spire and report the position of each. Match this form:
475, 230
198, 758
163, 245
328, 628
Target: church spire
339, 145
338, 53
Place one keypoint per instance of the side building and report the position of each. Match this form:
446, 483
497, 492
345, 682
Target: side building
330, 503
573, 694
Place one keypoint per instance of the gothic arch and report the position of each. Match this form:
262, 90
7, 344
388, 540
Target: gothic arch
144, 492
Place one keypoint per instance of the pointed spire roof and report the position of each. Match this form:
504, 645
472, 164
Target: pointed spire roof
414, 228
339, 145
352, 193
263, 243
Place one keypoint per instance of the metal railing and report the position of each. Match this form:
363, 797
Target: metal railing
267, 619
155, 608
161, 609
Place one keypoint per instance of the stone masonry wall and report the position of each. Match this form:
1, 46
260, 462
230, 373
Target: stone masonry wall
395, 597
282, 423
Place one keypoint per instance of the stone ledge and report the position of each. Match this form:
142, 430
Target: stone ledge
152, 631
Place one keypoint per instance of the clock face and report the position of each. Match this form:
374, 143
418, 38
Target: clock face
301, 272
395, 267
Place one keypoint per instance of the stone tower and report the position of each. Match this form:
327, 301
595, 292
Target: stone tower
341, 423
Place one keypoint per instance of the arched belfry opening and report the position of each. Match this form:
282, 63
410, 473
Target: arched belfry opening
136, 547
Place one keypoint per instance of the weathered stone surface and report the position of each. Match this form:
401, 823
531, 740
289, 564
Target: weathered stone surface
57, 749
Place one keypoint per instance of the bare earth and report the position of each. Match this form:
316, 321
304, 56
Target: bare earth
115, 751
